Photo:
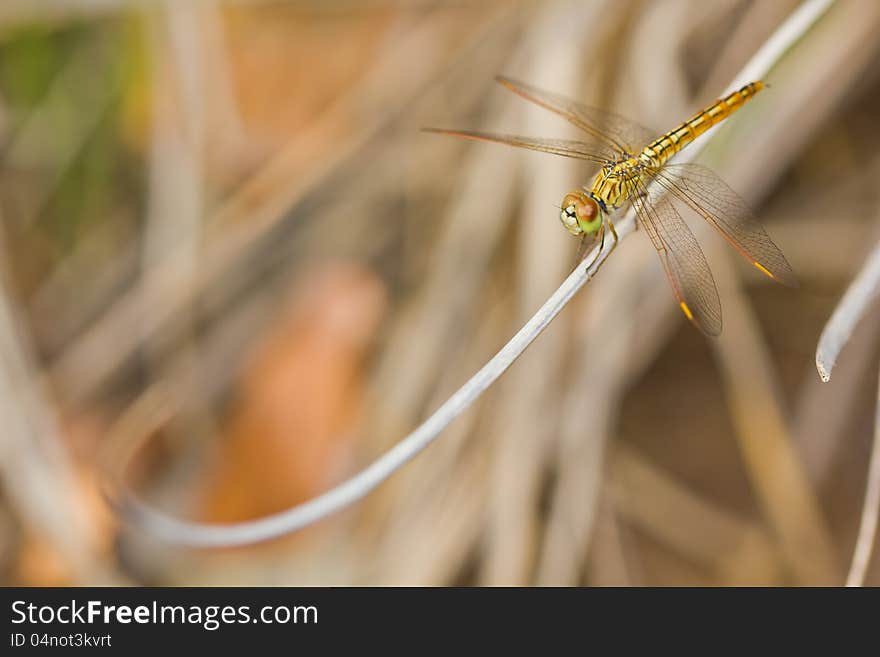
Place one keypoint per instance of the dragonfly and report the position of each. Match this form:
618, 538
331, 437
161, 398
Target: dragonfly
647, 180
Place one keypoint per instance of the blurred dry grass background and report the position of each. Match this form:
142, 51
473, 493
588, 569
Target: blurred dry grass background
223, 232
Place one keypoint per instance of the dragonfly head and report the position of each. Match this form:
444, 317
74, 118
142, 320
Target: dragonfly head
580, 214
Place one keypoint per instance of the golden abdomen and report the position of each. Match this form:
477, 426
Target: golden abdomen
662, 148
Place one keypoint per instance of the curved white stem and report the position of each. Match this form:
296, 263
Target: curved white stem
174, 530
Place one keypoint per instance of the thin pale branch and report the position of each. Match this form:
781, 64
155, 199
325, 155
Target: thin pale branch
870, 511
273, 526
362, 483
858, 298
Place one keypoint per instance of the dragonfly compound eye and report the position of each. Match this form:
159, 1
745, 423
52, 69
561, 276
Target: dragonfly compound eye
580, 214
568, 216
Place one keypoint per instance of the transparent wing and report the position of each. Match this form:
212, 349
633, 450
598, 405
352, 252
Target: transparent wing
682, 257
711, 197
581, 150
618, 132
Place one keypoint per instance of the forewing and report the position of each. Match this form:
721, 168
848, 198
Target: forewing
618, 132
708, 195
597, 153
681, 255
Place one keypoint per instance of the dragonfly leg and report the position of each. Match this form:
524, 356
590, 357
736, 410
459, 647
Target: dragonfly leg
614, 242
615, 239
613, 234
599, 250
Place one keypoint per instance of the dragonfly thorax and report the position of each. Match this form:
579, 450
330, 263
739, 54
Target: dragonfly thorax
613, 180
580, 213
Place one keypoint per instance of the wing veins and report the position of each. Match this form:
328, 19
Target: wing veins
683, 260
617, 131
710, 197
565, 147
